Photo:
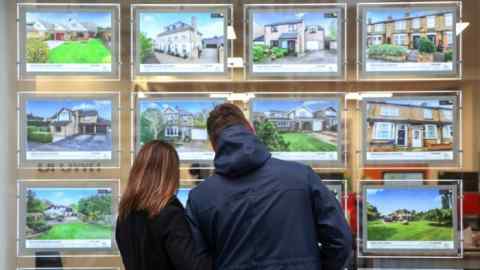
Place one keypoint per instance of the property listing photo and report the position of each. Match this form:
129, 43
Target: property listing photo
68, 128
410, 128
183, 122
67, 217
68, 40
298, 128
402, 39
181, 41
295, 40
409, 218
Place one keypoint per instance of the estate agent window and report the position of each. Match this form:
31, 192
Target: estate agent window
384, 131
430, 132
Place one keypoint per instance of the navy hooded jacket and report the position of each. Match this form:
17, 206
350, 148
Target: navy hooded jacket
258, 212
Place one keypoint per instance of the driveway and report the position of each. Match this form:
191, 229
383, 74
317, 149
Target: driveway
84, 142
208, 56
314, 57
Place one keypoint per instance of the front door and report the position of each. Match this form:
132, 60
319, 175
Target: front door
417, 137
291, 46
416, 42
401, 135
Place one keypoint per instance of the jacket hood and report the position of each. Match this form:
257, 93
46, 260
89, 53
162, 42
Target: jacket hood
239, 152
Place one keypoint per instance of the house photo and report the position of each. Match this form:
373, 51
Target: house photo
297, 125
61, 37
416, 35
409, 125
181, 122
68, 125
294, 37
185, 37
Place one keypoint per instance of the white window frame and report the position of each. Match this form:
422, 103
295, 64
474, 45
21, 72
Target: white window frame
428, 128
448, 115
430, 22
389, 111
292, 28
427, 114
416, 23
400, 127
450, 37
400, 39
447, 132
448, 19
384, 125
379, 27
401, 25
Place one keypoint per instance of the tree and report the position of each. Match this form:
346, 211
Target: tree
34, 205
37, 51
268, 133
426, 45
146, 47
372, 212
95, 207
151, 125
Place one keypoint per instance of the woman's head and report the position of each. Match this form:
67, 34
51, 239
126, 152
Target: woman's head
153, 180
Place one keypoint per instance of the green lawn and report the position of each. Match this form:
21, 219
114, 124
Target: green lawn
75, 231
306, 143
415, 230
80, 52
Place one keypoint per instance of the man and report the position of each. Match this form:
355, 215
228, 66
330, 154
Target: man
258, 212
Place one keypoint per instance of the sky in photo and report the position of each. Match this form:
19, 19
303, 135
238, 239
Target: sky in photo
153, 24
261, 18
193, 106
47, 108
182, 195
388, 200
419, 102
265, 105
101, 19
397, 13
65, 196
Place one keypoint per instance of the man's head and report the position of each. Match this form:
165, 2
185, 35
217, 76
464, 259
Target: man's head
223, 116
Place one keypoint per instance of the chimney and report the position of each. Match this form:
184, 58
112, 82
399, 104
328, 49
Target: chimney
194, 23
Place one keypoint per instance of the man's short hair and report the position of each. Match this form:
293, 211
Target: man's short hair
223, 116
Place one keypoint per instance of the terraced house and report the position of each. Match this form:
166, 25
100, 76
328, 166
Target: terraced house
397, 126
407, 31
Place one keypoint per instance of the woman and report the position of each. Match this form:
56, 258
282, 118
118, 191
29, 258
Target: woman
152, 231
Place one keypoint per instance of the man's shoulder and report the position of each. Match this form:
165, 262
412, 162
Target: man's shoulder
282, 166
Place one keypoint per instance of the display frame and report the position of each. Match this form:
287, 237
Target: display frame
136, 97
138, 75
457, 142
24, 184
457, 61
456, 252
339, 75
24, 163
341, 161
68, 268
116, 62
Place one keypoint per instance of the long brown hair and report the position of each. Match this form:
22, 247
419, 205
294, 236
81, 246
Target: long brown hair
153, 180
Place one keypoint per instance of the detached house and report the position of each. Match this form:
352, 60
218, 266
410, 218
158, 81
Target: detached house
180, 39
302, 119
179, 123
294, 36
67, 122
393, 126
407, 31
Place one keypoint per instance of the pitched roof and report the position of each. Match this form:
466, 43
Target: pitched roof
259, 39
213, 40
183, 27
286, 22
409, 18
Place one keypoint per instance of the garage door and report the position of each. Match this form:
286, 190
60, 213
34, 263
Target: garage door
312, 45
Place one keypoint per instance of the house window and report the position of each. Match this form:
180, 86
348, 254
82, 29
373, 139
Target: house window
292, 27
383, 131
379, 27
430, 132
274, 29
370, 28
400, 39
448, 20
171, 132
447, 132
64, 116
427, 114
431, 21
400, 25
58, 129
447, 115
389, 111
416, 23
449, 36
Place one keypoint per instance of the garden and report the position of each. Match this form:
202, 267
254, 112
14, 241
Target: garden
262, 53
